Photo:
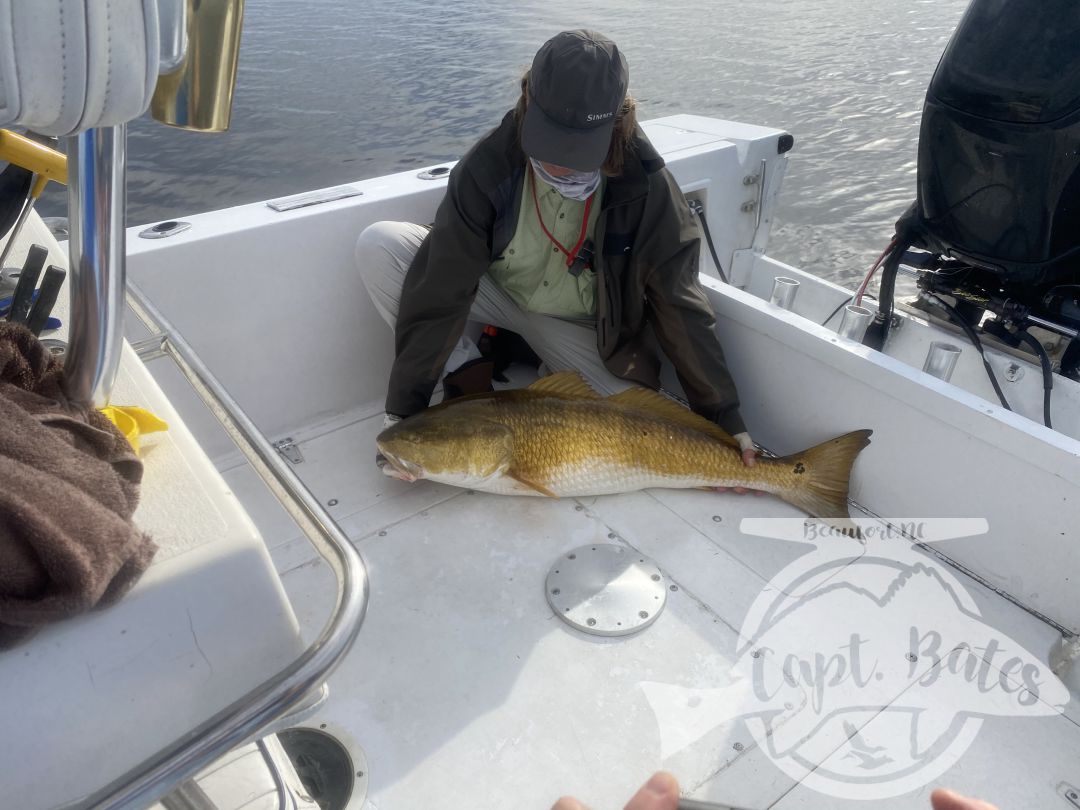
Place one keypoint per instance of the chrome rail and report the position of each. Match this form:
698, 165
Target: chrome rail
97, 194
243, 719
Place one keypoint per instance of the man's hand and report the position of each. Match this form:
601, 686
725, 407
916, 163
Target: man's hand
749, 458
659, 793
381, 461
947, 800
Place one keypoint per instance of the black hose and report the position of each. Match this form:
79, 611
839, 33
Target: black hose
958, 319
1047, 372
878, 332
840, 307
699, 209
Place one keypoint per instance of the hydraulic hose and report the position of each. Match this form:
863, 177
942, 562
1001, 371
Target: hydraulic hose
1047, 371
958, 319
699, 209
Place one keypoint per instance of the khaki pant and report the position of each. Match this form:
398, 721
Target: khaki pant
384, 252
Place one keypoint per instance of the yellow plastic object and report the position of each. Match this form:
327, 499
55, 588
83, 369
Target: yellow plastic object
133, 421
47, 163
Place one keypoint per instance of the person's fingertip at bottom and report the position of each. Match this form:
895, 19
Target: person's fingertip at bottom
661, 792
568, 803
942, 799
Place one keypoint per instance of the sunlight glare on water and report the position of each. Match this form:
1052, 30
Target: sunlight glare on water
340, 90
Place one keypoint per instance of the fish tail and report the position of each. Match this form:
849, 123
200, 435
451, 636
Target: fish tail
823, 476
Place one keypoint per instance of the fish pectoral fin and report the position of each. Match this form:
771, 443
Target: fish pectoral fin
521, 479
646, 399
565, 383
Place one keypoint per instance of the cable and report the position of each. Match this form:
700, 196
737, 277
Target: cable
699, 209
958, 319
1047, 372
866, 280
878, 331
838, 308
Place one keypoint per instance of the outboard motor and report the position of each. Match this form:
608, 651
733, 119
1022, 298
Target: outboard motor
998, 196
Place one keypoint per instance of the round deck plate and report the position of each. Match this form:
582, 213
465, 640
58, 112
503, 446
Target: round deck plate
331, 766
606, 589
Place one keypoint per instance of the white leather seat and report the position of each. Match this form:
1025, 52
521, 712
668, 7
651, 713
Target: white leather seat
71, 65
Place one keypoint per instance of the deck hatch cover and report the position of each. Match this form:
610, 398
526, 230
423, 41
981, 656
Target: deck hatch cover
606, 589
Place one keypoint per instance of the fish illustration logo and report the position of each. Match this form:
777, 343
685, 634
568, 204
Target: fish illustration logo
865, 669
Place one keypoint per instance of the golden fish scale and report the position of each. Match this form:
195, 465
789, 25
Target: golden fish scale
558, 441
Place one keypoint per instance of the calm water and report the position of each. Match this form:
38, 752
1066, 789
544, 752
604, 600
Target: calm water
338, 90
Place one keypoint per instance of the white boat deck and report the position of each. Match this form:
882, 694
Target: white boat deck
465, 690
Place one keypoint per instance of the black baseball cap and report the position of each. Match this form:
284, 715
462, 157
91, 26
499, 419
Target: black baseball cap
576, 86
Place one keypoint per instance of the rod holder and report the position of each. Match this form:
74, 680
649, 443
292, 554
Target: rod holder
854, 322
198, 94
783, 292
941, 360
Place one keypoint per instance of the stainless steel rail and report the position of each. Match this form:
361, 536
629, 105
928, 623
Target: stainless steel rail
97, 171
244, 718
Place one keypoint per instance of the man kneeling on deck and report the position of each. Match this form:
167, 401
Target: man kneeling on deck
563, 225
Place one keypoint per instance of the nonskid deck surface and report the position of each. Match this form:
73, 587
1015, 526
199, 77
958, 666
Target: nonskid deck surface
464, 689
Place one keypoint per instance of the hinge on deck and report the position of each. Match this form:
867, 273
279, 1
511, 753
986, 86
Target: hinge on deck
290, 449
1069, 793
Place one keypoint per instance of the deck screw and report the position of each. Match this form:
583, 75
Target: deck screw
716, 518
332, 502
738, 746
912, 657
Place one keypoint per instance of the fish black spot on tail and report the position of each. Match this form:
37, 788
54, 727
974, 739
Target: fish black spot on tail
824, 475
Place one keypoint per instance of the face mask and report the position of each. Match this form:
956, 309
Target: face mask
573, 186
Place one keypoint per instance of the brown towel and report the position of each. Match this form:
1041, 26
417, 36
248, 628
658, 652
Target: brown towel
69, 483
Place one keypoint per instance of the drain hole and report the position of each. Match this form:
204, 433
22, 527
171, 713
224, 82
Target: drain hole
323, 765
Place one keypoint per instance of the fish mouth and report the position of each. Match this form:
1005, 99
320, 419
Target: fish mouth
400, 469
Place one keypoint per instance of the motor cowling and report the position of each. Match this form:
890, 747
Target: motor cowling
999, 149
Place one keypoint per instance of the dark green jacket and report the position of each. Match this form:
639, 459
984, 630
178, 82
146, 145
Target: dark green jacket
646, 271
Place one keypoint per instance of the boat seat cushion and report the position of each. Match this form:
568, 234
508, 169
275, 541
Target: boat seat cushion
71, 65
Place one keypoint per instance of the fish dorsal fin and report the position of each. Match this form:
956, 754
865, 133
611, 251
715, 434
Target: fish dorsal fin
645, 399
564, 383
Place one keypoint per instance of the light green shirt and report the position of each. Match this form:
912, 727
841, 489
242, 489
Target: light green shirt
532, 270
